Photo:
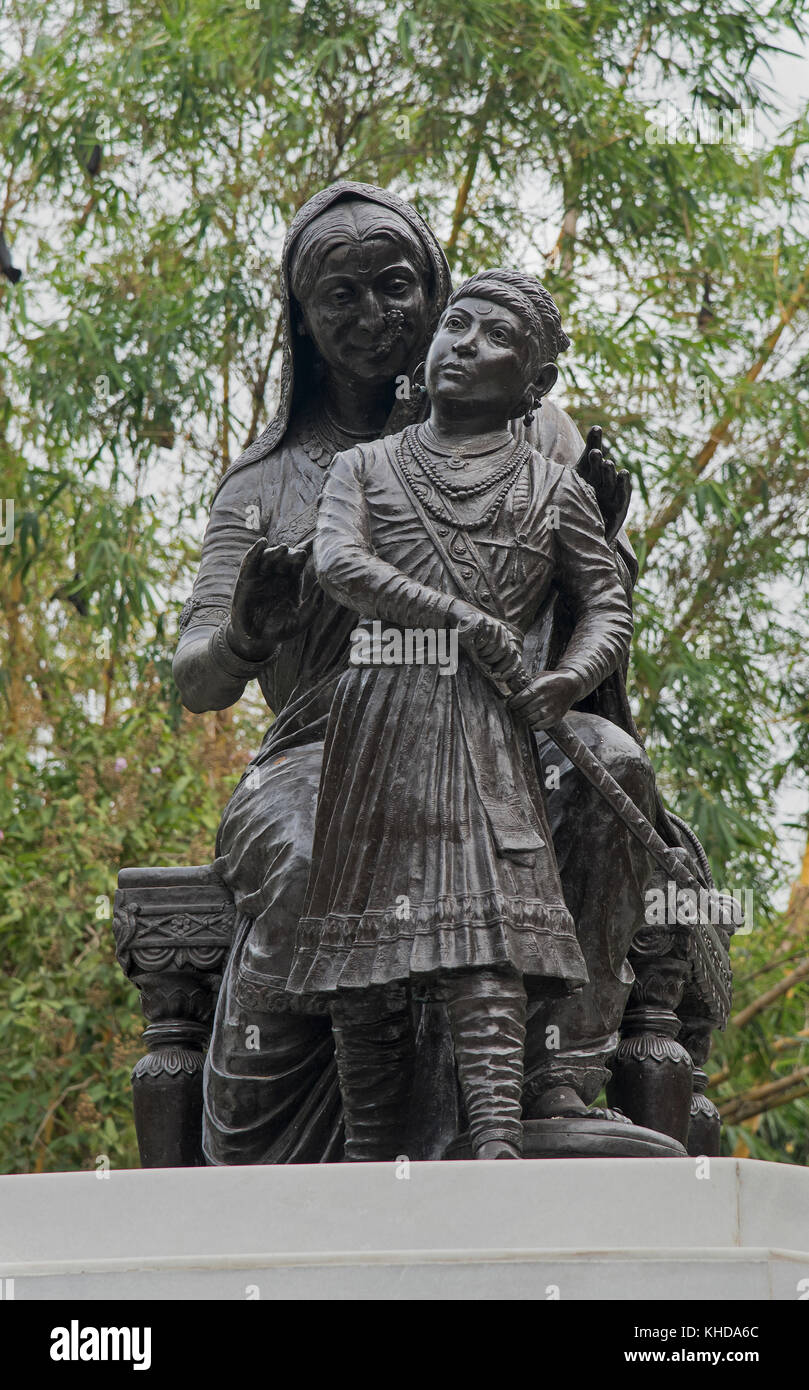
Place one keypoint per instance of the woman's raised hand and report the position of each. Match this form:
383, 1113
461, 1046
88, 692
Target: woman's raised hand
266, 607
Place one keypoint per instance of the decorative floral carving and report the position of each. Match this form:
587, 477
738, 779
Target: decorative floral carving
702, 1105
156, 938
169, 1061
651, 1047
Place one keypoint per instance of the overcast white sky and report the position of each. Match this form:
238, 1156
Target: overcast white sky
790, 81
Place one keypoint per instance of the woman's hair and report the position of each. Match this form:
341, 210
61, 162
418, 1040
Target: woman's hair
527, 298
350, 223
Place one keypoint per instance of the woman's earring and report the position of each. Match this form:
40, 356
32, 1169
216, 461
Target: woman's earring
419, 387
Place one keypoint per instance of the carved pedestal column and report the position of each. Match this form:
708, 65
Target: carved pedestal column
705, 1127
651, 1072
173, 929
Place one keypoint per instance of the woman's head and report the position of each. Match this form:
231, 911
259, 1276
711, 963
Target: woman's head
364, 289
497, 342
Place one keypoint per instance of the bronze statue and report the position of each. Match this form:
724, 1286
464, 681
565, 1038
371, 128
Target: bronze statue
431, 787
364, 284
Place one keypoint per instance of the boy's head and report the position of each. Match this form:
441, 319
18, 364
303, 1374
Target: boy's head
497, 341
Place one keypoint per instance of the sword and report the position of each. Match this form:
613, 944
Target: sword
711, 953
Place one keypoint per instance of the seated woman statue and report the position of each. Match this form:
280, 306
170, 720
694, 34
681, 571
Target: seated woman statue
363, 282
431, 793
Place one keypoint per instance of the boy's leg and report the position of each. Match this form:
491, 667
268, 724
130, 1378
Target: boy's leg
487, 1017
375, 1047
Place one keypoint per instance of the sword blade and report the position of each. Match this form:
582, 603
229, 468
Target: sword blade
709, 944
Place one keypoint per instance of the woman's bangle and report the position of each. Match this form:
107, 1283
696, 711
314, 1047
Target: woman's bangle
225, 657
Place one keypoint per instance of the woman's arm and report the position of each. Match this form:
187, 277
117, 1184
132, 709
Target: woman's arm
209, 675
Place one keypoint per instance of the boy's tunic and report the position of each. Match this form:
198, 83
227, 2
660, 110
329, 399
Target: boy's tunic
432, 846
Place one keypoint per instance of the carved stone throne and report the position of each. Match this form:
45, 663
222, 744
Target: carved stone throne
173, 929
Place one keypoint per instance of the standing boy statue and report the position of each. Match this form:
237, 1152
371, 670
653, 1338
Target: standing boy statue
430, 795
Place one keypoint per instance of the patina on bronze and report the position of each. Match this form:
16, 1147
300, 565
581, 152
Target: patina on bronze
364, 283
431, 789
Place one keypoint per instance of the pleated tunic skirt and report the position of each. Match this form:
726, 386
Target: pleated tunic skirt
432, 849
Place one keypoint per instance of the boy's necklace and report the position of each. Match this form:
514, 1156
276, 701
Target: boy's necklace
459, 454
502, 463
443, 511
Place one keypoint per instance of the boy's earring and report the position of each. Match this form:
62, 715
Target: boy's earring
528, 417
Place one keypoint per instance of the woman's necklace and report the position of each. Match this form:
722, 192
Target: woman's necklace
337, 428
322, 438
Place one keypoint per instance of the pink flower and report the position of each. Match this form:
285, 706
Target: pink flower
156, 770
120, 764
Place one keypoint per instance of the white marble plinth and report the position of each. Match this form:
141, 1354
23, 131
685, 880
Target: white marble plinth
613, 1229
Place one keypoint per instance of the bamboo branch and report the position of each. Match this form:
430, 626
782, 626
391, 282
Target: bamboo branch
54, 1106
226, 411
778, 1045
567, 231
711, 583
773, 1104
771, 965
761, 1098
643, 38
672, 510
768, 1088
567, 241
462, 200
261, 384
758, 1006
706, 586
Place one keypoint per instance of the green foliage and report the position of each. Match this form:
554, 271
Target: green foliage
93, 799
138, 357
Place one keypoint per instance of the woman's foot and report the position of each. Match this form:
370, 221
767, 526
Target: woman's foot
563, 1103
497, 1148
560, 1103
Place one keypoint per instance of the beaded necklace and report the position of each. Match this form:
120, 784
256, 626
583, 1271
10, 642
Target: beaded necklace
503, 478
503, 469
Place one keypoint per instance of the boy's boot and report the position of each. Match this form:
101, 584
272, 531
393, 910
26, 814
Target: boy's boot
487, 1016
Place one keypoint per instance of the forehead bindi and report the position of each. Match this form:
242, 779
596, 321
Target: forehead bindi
367, 260
484, 311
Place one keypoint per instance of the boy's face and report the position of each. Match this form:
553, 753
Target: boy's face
479, 353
